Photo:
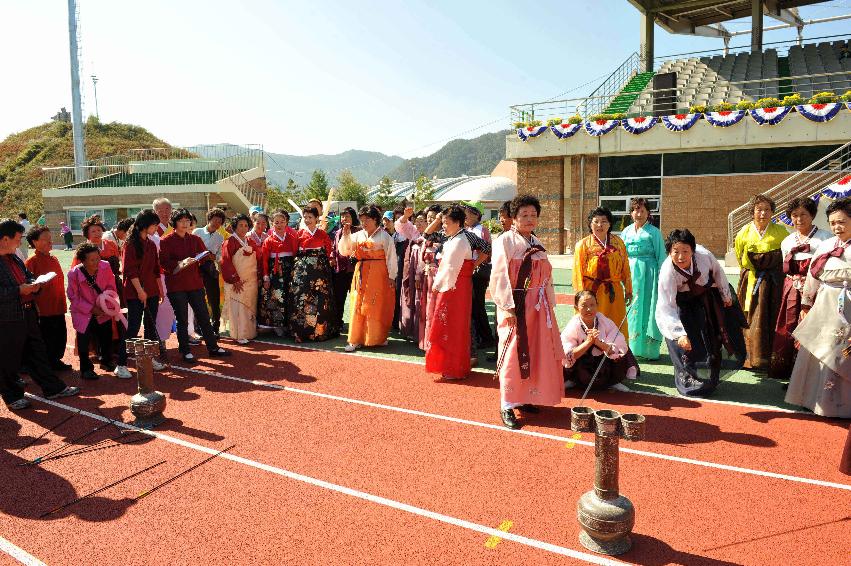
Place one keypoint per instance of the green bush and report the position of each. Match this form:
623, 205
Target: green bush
722, 107
577, 119
792, 100
768, 102
846, 97
744, 105
554, 121
493, 226
518, 125
596, 117
697, 109
823, 98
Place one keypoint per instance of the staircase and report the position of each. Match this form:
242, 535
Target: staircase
630, 93
806, 183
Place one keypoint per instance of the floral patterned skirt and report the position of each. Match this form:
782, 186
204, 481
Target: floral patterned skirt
273, 310
312, 310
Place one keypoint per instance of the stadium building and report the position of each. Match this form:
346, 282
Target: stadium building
696, 135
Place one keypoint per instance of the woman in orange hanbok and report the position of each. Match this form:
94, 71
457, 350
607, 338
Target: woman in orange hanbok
373, 290
601, 265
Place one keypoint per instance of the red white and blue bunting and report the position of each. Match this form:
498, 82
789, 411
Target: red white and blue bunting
819, 112
601, 127
770, 116
639, 125
724, 118
530, 132
680, 122
839, 189
564, 131
848, 105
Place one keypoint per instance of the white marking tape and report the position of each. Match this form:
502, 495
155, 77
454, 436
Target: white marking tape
491, 426
392, 503
19, 554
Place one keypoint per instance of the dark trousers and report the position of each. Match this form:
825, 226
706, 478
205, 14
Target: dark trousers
21, 340
69, 240
180, 302
481, 325
101, 334
342, 285
135, 314
55, 336
211, 288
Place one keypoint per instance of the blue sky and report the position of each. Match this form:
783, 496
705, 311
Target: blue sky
322, 76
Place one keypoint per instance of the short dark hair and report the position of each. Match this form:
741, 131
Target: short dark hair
310, 210
758, 198
456, 213
601, 211
680, 236
841, 205
264, 216
22, 215
235, 220
9, 227
217, 213
371, 211
505, 209
281, 212
435, 208
806, 203
124, 225
85, 249
178, 215
583, 293
352, 214
520, 201
93, 220
635, 202
35, 233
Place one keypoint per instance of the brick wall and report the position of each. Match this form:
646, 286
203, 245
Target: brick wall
575, 225
544, 178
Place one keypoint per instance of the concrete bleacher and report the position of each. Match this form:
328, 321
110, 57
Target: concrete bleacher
720, 78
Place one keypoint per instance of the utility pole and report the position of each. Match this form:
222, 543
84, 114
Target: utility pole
95, 85
76, 98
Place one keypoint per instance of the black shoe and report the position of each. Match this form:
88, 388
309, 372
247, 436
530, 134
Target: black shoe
20, 382
220, 353
529, 409
509, 420
189, 359
194, 341
89, 374
107, 368
60, 366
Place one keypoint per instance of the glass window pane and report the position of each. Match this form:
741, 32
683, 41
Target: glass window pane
627, 187
631, 166
75, 218
110, 217
615, 205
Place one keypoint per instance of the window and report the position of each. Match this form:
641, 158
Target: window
631, 166
760, 160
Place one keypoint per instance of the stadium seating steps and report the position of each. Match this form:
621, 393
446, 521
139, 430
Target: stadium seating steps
151, 179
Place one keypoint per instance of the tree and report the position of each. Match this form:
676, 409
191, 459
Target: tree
317, 187
384, 198
423, 192
350, 189
279, 198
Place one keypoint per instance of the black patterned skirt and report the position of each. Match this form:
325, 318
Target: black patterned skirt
312, 309
274, 308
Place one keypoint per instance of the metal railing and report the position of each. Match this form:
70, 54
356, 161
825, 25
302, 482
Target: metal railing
683, 97
806, 183
605, 94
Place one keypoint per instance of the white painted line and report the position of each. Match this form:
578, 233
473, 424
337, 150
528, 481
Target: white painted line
20, 554
492, 426
377, 499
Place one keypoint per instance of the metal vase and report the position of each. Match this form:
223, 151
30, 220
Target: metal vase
148, 404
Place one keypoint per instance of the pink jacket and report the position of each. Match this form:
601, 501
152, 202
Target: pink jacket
83, 298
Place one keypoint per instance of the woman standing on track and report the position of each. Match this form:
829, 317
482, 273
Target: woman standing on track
373, 289
530, 370
241, 263
821, 378
409, 320
429, 262
260, 231
278, 257
601, 265
646, 250
797, 249
312, 311
757, 247
344, 266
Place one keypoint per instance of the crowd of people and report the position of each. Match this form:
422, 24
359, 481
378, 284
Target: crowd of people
425, 274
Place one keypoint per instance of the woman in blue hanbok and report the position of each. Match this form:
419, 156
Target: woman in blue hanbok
646, 250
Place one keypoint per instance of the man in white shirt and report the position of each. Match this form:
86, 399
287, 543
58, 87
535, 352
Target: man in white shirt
24, 250
209, 271
118, 233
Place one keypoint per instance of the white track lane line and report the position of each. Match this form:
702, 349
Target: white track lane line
377, 499
491, 426
20, 554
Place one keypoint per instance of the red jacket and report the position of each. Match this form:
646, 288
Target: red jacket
146, 268
173, 250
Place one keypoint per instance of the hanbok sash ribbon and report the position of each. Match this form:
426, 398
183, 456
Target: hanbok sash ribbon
819, 112
598, 128
520, 288
691, 280
819, 262
680, 122
788, 258
530, 132
564, 131
770, 116
604, 273
724, 118
640, 124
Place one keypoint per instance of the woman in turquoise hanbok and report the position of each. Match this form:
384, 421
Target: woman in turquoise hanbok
646, 250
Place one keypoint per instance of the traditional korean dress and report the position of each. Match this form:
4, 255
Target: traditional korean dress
241, 261
425, 278
760, 287
448, 343
646, 251
409, 323
821, 377
313, 315
621, 363
530, 365
344, 272
690, 304
797, 254
277, 262
603, 269
372, 293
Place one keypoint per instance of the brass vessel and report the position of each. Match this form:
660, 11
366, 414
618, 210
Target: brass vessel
148, 404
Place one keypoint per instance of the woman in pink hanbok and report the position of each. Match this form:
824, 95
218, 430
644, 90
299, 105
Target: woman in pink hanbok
531, 354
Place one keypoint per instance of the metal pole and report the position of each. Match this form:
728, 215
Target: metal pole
76, 99
95, 85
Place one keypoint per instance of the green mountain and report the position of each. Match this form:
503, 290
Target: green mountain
366, 166
22, 155
477, 156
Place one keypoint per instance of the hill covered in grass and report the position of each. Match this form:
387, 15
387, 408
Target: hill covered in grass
477, 156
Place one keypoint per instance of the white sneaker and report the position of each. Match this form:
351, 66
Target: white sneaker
620, 387
569, 384
242, 341
121, 372
157, 365
351, 347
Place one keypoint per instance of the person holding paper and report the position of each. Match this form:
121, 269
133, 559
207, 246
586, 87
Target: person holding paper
180, 256
213, 240
50, 302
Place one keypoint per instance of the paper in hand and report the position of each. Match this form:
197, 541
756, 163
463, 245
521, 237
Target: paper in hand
44, 277
200, 256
